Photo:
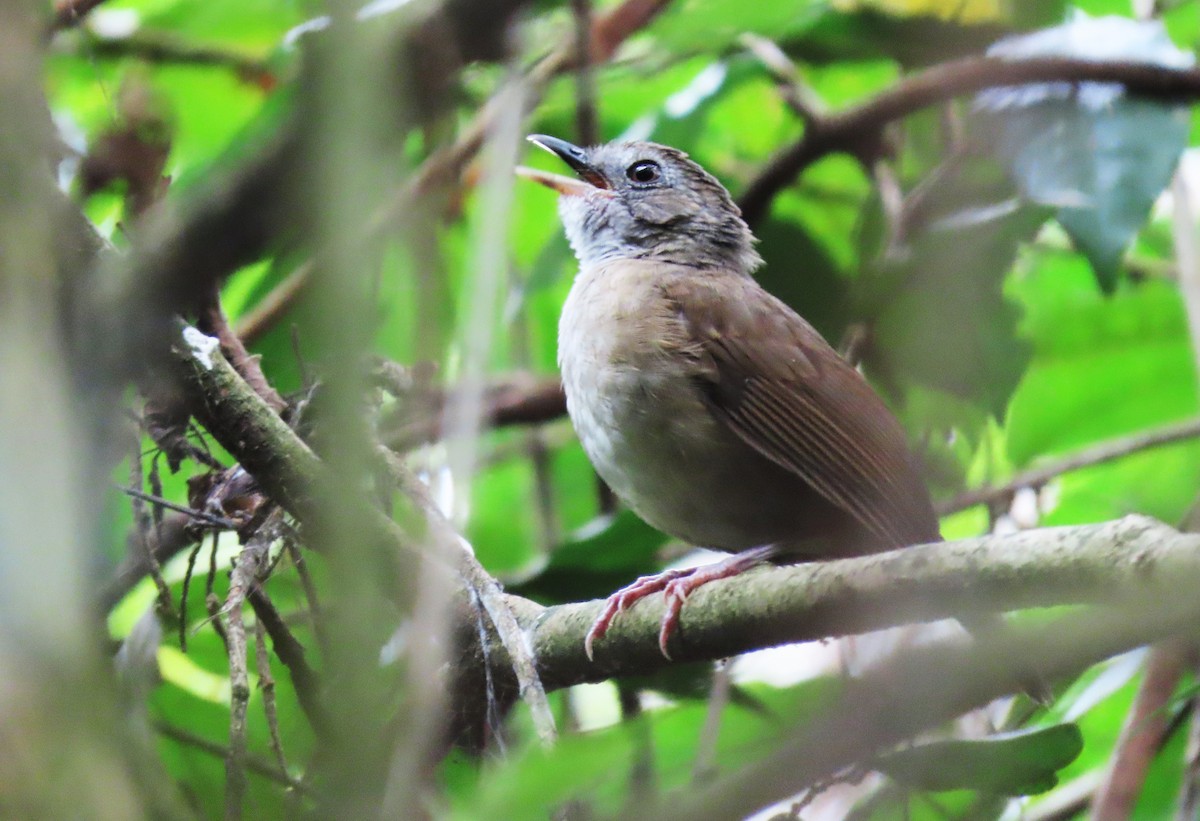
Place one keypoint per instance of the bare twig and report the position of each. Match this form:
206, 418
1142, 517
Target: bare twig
608, 32
247, 573
798, 96
515, 401
586, 121
266, 683
254, 763
170, 50
213, 322
856, 130
1189, 799
1094, 455
141, 524
183, 596
191, 513
513, 637
279, 300
291, 652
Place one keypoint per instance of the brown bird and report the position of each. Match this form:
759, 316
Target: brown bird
710, 407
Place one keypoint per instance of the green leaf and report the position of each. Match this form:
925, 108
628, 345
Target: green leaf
596, 768
1094, 152
1018, 763
1102, 367
938, 315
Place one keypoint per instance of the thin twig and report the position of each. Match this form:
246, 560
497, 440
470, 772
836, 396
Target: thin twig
513, 401
798, 96
198, 515
254, 763
306, 584
266, 683
162, 49
608, 32
212, 321
1094, 455
1189, 798
246, 575
141, 523
586, 120
291, 652
491, 596
183, 596
1144, 729
253, 324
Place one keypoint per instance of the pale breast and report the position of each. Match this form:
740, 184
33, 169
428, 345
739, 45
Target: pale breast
637, 408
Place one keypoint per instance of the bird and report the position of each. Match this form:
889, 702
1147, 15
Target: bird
709, 406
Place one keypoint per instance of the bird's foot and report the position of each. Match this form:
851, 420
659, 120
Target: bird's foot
676, 586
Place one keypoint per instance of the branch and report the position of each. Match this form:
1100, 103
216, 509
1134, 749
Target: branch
857, 128
516, 401
608, 32
1095, 455
290, 473
255, 764
1141, 738
1134, 559
1103, 564
170, 50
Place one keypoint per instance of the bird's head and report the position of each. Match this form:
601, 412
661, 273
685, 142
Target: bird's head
642, 200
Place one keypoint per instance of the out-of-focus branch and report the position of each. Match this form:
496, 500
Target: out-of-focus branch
278, 301
923, 688
587, 126
519, 401
1141, 737
169, 50
857, 129
290, 473
608, 32
1094, 455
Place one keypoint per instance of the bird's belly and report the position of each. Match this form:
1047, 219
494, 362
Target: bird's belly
655, 442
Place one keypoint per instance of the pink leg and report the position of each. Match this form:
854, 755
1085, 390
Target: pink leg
676, 585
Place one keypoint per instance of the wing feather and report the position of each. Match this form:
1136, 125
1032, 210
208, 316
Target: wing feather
774, 381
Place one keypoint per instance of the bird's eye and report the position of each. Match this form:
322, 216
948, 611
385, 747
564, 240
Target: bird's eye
644, 171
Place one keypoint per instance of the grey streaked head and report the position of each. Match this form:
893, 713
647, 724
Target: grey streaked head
642, 200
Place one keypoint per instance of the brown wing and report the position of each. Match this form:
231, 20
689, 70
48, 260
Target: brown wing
784, 391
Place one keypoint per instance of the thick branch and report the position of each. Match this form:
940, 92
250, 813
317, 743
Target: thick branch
1133, 559
285, 467
859, 126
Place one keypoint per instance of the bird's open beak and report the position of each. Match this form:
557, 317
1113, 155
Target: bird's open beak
590, 180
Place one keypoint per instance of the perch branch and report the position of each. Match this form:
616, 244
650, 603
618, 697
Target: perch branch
1132, 559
